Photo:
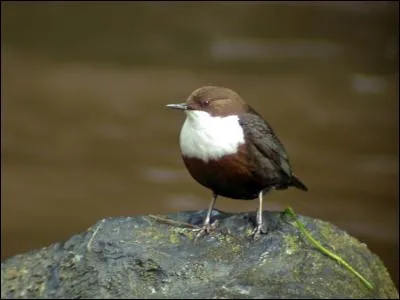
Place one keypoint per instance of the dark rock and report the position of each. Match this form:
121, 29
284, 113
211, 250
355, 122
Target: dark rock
142, 257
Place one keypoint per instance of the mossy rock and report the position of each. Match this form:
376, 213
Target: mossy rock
145, 257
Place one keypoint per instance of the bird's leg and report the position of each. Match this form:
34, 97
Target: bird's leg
259, 226
207, 227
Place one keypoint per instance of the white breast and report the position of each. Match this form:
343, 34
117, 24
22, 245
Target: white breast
206, 137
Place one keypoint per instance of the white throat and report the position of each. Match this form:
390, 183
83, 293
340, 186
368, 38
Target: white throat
206, 137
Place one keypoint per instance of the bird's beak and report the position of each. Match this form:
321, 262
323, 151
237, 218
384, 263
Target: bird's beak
182, 106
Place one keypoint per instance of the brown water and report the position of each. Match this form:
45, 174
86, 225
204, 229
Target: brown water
86, 135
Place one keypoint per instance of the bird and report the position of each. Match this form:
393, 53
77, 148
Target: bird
230, 149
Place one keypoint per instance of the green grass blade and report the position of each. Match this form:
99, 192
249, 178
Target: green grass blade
340, 260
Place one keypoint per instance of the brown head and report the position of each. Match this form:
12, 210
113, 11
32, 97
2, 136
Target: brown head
217, 101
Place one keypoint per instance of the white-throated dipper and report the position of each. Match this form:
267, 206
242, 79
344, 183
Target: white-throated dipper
231, 150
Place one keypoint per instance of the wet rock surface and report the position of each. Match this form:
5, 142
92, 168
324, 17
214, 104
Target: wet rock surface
147, 257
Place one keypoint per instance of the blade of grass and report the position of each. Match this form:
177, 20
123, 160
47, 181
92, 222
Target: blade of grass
317, 244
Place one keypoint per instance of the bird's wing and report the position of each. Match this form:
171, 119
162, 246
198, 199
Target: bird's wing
269, 150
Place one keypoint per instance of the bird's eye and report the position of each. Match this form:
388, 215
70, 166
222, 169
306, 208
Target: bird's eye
206, 103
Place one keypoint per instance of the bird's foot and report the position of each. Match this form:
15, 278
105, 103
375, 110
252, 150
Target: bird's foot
257, 231
206, 229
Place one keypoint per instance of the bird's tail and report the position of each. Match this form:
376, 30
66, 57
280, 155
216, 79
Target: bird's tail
297, 183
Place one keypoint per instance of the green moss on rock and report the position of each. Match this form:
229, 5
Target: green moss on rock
143, 258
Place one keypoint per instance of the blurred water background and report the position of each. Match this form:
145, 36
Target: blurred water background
86, 135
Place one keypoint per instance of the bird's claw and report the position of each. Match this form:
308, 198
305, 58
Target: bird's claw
257, 231
206, 229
